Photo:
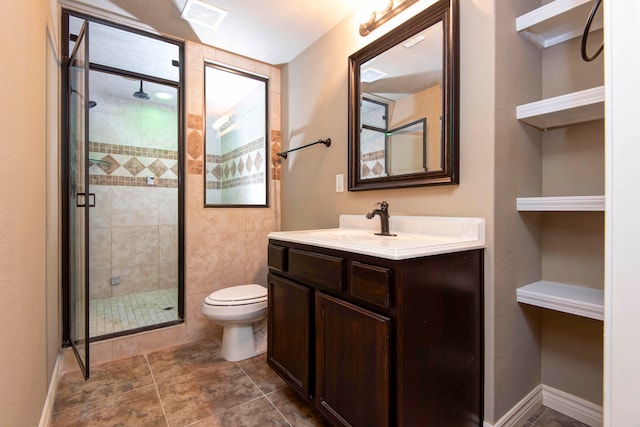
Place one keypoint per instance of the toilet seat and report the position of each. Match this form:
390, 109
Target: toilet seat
237, 295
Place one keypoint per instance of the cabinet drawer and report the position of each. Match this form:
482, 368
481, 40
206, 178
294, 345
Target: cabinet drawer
370, 283
316, 269
277, 258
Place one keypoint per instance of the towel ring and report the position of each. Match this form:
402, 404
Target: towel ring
585, 36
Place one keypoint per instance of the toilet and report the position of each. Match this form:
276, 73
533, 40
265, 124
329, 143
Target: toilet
242, 312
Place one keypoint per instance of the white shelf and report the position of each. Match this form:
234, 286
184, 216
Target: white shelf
577, 107
557, 22
578, 300
561, 204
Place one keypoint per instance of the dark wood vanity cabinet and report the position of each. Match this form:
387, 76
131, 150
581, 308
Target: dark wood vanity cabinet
370, 341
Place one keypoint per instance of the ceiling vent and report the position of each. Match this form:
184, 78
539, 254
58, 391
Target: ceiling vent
202, 13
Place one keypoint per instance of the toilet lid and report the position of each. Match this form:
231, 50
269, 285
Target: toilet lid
238, 295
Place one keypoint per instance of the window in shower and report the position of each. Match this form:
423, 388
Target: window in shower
135, 157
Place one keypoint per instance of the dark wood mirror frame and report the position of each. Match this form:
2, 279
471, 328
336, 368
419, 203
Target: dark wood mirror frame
445, 11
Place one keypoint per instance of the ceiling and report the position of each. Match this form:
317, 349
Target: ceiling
272, 31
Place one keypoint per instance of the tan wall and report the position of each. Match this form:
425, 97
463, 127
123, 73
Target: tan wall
53, 180
223, 247
315, 106
23, 193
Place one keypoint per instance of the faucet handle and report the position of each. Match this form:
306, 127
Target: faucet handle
383, 205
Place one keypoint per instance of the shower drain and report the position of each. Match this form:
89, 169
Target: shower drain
168, 308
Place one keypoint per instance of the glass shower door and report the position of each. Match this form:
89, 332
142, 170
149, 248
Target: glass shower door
79, 201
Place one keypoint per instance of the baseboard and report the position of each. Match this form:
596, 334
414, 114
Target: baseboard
521, 411
47, 410
558, 400
572, 406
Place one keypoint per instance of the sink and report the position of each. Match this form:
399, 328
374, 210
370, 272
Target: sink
416, 236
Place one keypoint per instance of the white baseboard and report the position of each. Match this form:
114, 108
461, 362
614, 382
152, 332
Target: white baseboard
47, 410
521, 411
565, 403
572, 406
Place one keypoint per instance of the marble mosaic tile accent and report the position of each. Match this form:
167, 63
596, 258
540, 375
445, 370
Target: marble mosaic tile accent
194, 167
195, 144
194, 121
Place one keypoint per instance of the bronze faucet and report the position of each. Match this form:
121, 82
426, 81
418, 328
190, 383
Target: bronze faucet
383, 213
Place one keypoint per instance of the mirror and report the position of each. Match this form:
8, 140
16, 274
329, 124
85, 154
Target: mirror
403, 104
235, 138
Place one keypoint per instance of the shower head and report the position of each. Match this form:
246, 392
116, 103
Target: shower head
141, 93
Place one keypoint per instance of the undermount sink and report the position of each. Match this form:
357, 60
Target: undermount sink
416, 236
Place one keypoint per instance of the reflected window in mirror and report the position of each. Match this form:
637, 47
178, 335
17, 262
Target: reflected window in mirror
403, 104
236, 138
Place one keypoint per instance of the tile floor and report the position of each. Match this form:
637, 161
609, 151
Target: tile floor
123, 312
191, 385
547, 417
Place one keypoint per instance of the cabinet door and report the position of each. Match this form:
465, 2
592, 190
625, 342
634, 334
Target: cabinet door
289, 320
352, 350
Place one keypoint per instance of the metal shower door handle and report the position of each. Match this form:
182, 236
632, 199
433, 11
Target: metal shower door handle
81, 200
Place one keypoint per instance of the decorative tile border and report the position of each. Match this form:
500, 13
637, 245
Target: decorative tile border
130, 166
127, 150
371, 167
238, 167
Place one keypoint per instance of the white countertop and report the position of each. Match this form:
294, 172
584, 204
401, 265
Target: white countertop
416, 236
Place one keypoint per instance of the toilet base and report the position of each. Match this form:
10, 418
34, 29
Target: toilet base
239, 342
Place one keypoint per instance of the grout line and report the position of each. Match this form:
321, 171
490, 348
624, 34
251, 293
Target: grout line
155, 384
264, 395
276, 408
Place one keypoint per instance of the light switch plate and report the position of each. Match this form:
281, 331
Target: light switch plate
339, 183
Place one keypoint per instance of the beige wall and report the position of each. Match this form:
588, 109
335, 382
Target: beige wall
25, 296
517, 238
223, 247
501, 159
572, 243
315, 106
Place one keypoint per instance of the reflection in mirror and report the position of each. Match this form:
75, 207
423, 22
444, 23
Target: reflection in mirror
403, 105
236, 138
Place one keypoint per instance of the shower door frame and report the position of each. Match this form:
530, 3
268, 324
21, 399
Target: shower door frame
179, 86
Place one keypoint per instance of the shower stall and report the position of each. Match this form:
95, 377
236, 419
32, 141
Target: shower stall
133, 225
124, 216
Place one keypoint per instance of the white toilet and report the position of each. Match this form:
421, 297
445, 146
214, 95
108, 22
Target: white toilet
242, 311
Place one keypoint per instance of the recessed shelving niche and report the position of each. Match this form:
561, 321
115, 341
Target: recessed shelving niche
572, 299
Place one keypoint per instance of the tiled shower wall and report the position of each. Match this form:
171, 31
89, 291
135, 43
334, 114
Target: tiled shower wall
223, 246
133, 229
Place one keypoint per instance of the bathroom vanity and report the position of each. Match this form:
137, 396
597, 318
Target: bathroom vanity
381, 331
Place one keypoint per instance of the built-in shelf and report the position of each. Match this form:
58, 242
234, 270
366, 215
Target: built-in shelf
578, 300
556, 22
577, 107
561, 204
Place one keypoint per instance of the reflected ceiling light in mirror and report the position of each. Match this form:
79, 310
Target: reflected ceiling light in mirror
370, 75
162, 95
221, 121
414, 41
382, 12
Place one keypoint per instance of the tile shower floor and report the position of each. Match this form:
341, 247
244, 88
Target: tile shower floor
191, 385
123, 312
